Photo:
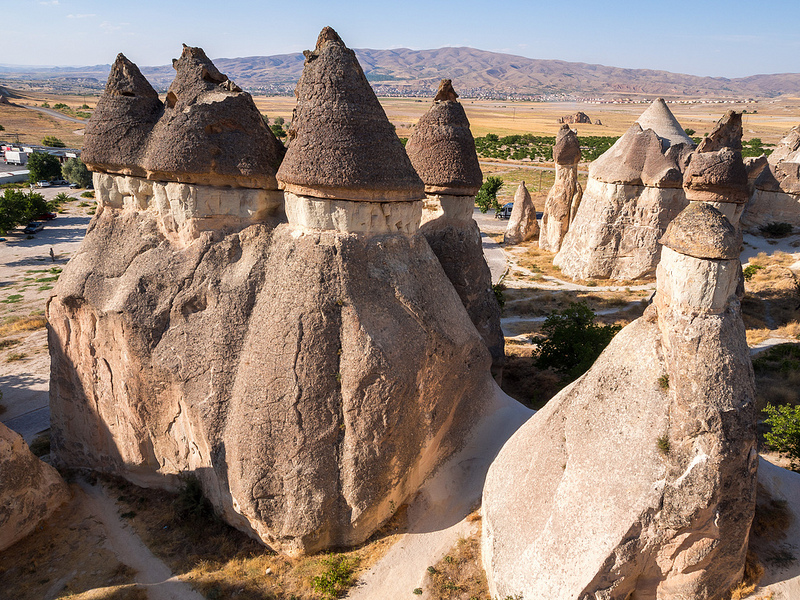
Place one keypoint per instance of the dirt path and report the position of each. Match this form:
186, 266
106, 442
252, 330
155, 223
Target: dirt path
54, 114
152, 574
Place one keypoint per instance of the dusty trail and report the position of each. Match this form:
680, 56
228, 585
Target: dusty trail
152, 574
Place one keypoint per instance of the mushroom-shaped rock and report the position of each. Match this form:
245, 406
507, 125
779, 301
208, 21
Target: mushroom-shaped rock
522, 225
701, 231
211, 132
652, 496
442, 148
117, 133
442, 151
565, 196
341, 145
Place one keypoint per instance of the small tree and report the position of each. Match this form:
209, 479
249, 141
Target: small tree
278, 131
573, 340
17, 208
43, 167
278, 121
784, 433
74, 171
690, 132
53, 142
487, 195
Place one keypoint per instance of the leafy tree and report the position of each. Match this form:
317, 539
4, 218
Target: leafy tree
84, 106
43, 167
60, 105
690, 132
17, 208
573, 340
74, 171
487, 195
278, 131
784, 433
279, 121
53, 142
45, 104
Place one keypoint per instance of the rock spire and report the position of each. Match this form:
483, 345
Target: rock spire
522, 225
565, 196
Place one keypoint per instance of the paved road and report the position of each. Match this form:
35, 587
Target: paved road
30, 424
489, 163
55, 113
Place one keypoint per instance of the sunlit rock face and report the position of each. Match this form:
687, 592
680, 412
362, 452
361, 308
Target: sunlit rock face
565, 196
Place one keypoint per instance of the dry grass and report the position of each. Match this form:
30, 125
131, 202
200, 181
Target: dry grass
32, 126
19, 324
753, 572
524, 382
15, 356
459, 575
767, 542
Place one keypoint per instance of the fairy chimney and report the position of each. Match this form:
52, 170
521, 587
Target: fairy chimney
442, 150
565, 196
522, 225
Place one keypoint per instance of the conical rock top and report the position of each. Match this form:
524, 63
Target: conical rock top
567, 150
522, 225
211, 132
701, 231
660, 119
116, 135
726, 134
442, 148
341, 145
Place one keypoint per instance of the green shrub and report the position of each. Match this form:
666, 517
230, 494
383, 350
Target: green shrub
663, 445
776, 230
191, 504
337, 577
750, 270
783, 358
487, 195
784, 433
573, 341
88, 194
498, 289
53, 142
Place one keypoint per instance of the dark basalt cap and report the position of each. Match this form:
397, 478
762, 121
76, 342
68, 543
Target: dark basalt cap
341, 145
442, 148
637, 158
211, 132
701, 231
116, 135
716, 171
567, 150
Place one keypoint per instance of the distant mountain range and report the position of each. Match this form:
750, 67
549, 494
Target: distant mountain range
474, 73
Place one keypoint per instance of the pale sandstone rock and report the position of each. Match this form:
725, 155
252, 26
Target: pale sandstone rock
634, 190
565, 196
30, 490
522, 225
638, 480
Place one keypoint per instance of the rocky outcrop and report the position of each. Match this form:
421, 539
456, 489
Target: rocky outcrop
634, 190
565, 196
310, 373
578, 117
30, 490
776, 194
638, 480
442, 150
522, 224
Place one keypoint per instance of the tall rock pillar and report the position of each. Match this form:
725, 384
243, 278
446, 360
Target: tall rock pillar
565, 196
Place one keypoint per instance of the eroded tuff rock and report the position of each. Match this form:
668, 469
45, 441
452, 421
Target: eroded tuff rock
565, 196
442, 150
311, 373
776, 195
30, 490
633, 192
209, 132
638, 480
522, 224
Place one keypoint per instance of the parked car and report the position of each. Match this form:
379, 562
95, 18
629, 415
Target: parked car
33, 227
46, 216
505, 212
73, 186
43, 183
59, 182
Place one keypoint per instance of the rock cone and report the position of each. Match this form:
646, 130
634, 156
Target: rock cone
634, 190
660, 119
30, 490
565, 196
638, 480
442, 151
522, 225
341, 145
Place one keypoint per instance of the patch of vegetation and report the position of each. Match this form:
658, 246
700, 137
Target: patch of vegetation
12, 299
40, 446
751, 270
783, 358
753, 572
337, 576
533, 147
498, 289
776, 230
15, 356
83, 204
459, 574
16, 324
52, 141
663, 445
487, 195
74, 171
191, 503
755, 147
573, 340
88, 194
663, 381
43, 167
4, 344
18, 207
784, 431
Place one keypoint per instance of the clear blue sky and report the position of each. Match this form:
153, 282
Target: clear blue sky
731, 38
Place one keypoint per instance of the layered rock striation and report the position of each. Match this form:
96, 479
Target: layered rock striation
310, 369
442, 151
565, 196
30, 490
634, 190
776, 194
638, 480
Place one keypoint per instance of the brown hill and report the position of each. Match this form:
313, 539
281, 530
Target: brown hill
477, 72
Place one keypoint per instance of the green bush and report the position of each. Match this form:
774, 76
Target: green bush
573, 341
337, 577
776, 230
498, 289
43, 167
191, 504
750, 270
487, 195
74, 171
53, 142
784, 433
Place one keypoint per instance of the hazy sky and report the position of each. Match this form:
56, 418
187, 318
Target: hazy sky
700, 37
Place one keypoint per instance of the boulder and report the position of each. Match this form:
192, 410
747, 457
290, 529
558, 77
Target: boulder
310, 373
638, 480
442, 150
776, 190
578, 117
565, 196
634, 190
522, 225
30, 490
